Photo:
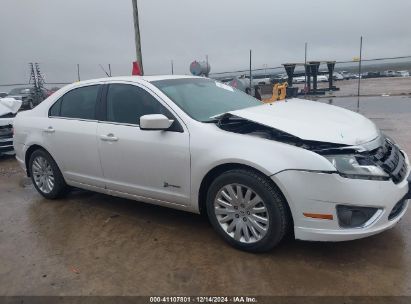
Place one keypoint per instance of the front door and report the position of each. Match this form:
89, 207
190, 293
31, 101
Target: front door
149, 164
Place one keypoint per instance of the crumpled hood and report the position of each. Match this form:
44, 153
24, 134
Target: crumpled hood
310, 120
9, 105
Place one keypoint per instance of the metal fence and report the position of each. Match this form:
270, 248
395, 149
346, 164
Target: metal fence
379, 76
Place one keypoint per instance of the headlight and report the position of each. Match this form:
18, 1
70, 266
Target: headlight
354, 166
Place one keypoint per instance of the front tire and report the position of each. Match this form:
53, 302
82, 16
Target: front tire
46, 176
247, 210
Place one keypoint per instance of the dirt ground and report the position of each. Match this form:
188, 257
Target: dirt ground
93, 244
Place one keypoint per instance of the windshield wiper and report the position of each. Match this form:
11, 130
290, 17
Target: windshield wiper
210, 121
218, 118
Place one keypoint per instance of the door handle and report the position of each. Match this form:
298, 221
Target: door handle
49, 130
109, 137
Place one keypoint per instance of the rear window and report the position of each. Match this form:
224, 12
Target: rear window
55, 109
78, 103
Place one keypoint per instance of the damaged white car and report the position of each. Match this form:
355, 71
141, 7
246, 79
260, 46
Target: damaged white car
257, 170
8, 110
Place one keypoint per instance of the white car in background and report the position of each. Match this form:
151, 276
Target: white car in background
338, 76
195, 144
390, 73
404, 73
301, 79
321, 78
8, 110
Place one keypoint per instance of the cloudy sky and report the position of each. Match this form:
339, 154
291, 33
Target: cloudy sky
60, 34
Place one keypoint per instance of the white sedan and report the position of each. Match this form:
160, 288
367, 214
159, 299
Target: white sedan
257, 170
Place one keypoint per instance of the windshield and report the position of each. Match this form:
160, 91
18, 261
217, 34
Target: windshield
203, 98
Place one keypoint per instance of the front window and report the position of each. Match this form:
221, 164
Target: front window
127, 103
203, 98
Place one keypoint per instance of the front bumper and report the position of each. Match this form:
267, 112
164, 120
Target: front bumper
320, 193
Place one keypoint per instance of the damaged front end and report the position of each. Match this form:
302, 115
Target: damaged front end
8, 110
6, 139
380, 159
235, 124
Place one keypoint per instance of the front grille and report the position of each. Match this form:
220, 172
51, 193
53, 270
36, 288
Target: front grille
391, 160
6, 142
6, 131
6, 149
6, 127
398, 208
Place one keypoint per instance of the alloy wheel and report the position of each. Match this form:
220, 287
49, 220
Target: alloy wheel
241, 213
43, 174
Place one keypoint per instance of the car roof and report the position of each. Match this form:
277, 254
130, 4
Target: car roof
136, 78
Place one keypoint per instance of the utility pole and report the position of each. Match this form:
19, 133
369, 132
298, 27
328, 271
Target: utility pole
251, 75
305, 71
137, 36
359, 75
172, 67
78, 72
207, 65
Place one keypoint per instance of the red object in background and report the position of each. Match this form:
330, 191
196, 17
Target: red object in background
136, 69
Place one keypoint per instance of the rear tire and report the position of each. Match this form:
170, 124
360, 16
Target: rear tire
46, 176
255, 219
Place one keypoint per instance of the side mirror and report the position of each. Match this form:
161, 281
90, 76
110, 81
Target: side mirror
155, 122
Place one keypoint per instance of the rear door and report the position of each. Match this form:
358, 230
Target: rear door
70, 135
148, 164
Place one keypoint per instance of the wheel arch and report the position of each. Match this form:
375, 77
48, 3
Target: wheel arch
220, 169
28, 154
